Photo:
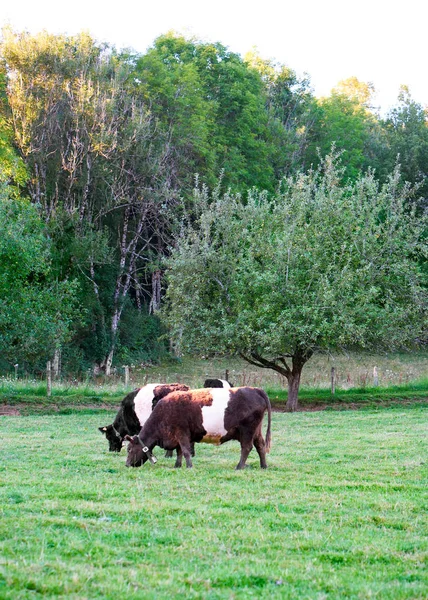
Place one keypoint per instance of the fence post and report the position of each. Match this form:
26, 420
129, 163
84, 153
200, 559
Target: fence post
56, 364
126, 375
16, 370
227, 375
333, 381
375, 377
48, 378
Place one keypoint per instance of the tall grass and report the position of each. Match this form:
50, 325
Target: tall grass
351, 371
403, 375
33, 387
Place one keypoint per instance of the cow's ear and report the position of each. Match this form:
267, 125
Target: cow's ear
128, 438
103, 430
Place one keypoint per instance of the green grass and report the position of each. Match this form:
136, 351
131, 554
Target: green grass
35, 388
416, 391
32, 399
340, 513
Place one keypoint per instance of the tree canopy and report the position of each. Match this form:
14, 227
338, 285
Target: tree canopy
319, 267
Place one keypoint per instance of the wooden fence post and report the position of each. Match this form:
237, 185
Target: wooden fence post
333, 381
56, 364
48, 378
375, 377
126, 375
227, 375
16, 370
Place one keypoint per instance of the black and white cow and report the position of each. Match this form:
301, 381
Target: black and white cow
134, 411
217, 383
207, 415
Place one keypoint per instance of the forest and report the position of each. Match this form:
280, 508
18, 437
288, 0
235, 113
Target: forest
124, 174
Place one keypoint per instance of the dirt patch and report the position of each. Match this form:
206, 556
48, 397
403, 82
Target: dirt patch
320, 406
9, 411
23, 409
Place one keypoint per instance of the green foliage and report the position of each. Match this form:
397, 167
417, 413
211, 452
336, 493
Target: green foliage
292, 114
321, 266
37, 310
226, 128
109, 144
12, 168
170, 82
99, 172
339, 512
344, 119
407, 138
140, 338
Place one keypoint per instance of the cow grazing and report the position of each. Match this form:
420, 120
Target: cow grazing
136, 407
134, 410
217, 383
206, 415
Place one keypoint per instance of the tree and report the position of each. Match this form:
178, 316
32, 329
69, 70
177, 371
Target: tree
292, 113
12, 168
36, 310
169, 80
406, 131
345, 120
319, 267
99, 170
213, 105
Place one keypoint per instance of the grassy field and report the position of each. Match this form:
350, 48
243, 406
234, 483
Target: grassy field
340, 513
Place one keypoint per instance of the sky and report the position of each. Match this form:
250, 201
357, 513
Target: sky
378, 41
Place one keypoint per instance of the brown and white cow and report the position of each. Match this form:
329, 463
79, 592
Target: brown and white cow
134, 411
213, 415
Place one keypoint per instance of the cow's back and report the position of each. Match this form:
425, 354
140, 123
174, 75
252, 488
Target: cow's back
245, 404
178, 412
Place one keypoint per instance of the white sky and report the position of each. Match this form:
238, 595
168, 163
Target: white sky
378, 41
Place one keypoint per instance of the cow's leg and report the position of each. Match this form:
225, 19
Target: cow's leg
246, 447
168, 454
185, 448
260, 445
179, 458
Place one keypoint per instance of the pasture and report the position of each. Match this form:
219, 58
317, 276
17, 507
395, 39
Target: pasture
340, 513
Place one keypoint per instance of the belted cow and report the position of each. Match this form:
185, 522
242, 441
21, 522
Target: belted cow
207, 415
134, 410
217, 383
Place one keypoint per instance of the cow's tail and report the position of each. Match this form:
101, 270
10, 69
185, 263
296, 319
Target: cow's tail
268, 439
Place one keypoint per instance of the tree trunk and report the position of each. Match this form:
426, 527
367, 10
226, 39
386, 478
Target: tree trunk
293, 374
109, 361
293, 389
114, 329
156, 292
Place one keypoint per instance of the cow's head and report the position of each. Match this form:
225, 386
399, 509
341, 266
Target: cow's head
136, 457
115, 440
